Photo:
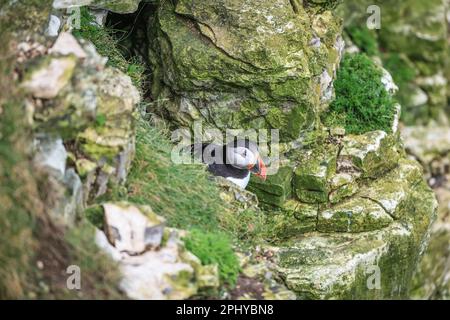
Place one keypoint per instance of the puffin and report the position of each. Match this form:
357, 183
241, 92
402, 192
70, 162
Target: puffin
235, 161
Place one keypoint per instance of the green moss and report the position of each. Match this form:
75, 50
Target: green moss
100, 120
214, 248
362, 104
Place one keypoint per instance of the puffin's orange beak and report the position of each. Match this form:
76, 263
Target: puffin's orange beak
259, 169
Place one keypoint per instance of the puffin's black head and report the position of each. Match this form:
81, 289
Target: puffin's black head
244, 154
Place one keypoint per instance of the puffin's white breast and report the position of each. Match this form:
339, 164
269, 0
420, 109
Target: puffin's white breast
240, 182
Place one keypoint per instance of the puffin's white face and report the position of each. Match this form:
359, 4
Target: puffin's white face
243, 154
241, 157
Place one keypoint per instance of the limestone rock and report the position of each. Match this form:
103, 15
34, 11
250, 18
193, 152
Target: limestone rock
152, 267
118, 6
66, 44
427, 143
315, 168
355, 215
276, 189
372, 153
131, 231
319, 266
49, 77
64, 200
358, 237
430, 146
294, 219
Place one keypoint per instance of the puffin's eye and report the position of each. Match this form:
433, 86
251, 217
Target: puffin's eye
245, 153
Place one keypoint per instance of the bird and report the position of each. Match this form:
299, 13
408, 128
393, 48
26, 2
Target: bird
234, 161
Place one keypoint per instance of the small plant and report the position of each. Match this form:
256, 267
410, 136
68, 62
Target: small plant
362, 103
215, 248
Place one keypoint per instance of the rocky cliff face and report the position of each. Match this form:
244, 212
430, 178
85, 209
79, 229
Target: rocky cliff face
339, 205
346, 216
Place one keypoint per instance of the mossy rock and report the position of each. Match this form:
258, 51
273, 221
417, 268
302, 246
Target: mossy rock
294, 219
219, 77
354, 215
315, 168
375, 264
372, 153
276, 189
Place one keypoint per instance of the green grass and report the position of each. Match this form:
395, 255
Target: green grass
214, 248
107, 46
185, 194
189, 199
362, 104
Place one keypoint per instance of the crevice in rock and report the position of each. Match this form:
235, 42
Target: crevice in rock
381, 205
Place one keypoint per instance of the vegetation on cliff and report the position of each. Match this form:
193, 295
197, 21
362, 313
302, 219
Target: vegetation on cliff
362, 103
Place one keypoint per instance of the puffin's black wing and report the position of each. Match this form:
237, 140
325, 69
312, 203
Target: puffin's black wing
215, 157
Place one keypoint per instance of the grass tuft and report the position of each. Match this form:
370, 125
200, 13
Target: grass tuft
362, 103
107, 46
214, 248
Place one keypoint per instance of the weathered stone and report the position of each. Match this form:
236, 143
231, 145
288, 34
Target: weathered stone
430, 146
372, 153
314, 169
154, 275
262, 273
131, 229
64, 200
392, 190
115, 106
339, 265
51, 153
208, 276
276, 189
118, 6
85, 167
294, 219
427, 144
49, 77
66, 44
354, 215
343, 185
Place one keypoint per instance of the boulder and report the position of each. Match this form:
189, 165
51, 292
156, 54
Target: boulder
152, 259
375, 264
